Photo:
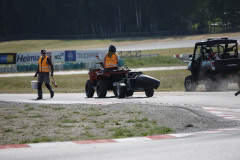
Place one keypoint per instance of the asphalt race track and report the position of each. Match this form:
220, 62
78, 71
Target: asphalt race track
211, 144
163, 45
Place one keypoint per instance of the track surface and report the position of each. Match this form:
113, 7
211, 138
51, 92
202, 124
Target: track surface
220, 145
164, 45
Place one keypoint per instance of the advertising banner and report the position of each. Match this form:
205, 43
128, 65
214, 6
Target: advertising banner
28, 58
89, 55
49, 54
58, 56
70, 55
8, 58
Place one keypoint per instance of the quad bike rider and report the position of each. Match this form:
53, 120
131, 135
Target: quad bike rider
214, 63
122, 82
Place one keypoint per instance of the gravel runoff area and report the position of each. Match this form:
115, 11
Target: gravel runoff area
34, 123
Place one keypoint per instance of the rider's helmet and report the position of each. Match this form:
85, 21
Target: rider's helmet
43, 51
112, 48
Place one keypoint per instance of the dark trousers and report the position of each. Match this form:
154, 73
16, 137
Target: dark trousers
43, 77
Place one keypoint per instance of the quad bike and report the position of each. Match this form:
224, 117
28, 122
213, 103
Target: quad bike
122, 82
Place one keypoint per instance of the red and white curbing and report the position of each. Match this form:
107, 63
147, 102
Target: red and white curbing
122, 140
227, 113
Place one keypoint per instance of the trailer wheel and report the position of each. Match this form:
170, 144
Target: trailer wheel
101, 89
121, 91
89, 90
189, 84
129, 93
149, 92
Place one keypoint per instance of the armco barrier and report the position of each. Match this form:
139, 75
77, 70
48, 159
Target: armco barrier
77, 65
121, 63
1, 69
66, 66
8, 69
58, 66
33, 67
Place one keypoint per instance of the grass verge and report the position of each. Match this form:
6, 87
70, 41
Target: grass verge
75, 122
170, 81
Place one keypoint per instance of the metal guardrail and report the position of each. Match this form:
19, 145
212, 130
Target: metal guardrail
123, 54
134, 54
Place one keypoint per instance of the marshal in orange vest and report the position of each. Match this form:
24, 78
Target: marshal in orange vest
43, 66
111, 62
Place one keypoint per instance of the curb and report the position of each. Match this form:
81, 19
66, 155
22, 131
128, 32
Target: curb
122, 140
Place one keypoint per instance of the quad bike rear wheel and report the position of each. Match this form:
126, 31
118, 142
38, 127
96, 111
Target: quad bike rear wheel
101, 89
89, 90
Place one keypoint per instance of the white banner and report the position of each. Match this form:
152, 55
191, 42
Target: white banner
90, 55
60, 56
27, 58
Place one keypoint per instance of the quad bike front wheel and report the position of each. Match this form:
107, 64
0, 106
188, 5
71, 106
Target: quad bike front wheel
89, 90
101, 89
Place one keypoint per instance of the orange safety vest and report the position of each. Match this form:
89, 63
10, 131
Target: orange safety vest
43, 66
111, 62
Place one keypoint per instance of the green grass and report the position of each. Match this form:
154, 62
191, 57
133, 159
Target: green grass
153, 61
170, 81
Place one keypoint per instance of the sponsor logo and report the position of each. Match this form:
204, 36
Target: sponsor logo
8, 58
58, 56
86, 55
70, 55
27, 58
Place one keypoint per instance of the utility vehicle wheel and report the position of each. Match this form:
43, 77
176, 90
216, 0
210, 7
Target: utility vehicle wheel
115, 92
189, 84
149, 92
101, 89
121, 91
129, 93
89, 90
210, 85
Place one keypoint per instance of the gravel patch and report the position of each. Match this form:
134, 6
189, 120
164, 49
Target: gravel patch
34, 123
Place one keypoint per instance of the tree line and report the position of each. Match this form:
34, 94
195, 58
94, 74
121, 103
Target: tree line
74, 17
